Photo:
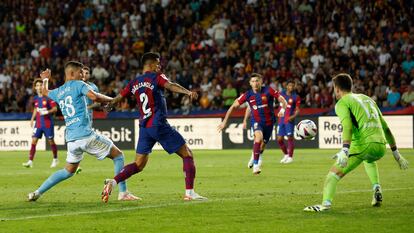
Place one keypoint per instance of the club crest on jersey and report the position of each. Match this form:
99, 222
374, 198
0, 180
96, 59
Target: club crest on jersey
290, 100
44, 102
264, 98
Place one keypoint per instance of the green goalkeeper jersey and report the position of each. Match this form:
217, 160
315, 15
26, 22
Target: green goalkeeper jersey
362, 114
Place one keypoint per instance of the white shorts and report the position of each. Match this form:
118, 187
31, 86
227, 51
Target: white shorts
96, 145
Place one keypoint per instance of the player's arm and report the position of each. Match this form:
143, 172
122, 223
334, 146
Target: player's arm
45, 75
235, 105
163, 81
345, 117
33, 117
94, 105
402, 162
98, 97
246, 117
281, 100
297, 109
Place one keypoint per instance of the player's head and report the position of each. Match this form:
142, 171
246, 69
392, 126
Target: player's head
37, 86
73, 70
151, 61
256, 81
290, 86
86, 71
342, 84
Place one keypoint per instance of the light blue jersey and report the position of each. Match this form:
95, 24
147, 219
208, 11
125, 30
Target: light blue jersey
89, 101
72, 101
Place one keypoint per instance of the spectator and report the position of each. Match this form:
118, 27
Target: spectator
229, 95
100, 73
393, 97
407, 98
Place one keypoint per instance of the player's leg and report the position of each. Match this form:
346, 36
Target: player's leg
53, 146
258, 140
281, 132
74, 156
374, 152
289, 127
144, 147
335, 174
118, 158
37, 133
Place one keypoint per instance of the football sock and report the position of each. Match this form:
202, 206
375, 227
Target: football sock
127, 172
54, 150
291, 146
256, 152
32, 152
118, 165
189, 171
54, 179
330, 187
282, 146
372, 171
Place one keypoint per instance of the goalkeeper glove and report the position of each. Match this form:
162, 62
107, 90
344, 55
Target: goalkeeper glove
402, 162
342, 157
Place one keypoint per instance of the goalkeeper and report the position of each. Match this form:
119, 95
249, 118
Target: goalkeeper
364, 136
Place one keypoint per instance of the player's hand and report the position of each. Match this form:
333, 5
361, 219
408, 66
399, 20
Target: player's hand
46, 74
402, 162
281, 112
193, 95
108, 107
341, 158
244, 125
221, 126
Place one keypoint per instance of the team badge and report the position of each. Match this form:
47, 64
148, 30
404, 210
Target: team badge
44, 102
264, 98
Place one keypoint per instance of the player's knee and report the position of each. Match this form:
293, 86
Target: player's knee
337, 172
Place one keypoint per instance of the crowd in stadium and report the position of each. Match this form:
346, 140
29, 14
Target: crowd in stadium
212, 46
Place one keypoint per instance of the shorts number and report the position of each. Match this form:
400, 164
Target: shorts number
67, 105
144, 100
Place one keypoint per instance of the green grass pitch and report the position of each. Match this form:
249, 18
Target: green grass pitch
238, 201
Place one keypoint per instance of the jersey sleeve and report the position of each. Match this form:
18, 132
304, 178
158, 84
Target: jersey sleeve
53, 95
344, 114
242, 99
274, 93
297, 102
127, 90
162, 80
52, 103
84, 87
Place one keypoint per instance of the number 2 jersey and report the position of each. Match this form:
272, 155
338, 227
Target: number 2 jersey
148, 90
261, 105
72, 101
364, 116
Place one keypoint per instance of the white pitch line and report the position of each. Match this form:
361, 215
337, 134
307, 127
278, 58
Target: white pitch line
178, 204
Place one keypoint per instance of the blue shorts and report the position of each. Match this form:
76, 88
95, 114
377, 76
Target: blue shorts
286, 129
267, 131
168, 137
49, 132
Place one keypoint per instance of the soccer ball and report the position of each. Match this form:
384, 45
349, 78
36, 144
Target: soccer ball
306, 129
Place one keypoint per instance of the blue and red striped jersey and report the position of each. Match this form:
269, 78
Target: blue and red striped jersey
45, 120
261, 105
148, 90
293, 103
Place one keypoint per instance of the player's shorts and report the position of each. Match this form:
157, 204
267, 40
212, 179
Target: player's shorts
286, 129
168, 137
267, 131
49, 132
96, 145
372, 153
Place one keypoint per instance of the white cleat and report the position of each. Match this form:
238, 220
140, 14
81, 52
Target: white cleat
283, 160
127, 196
55, 162
28, 164
256, 169
288, 160
33, 196
377, 197
107, 190
194, 197
317, 208
251, 161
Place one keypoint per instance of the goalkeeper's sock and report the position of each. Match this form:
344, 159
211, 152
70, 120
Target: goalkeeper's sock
330, 187
282, 146
118, 165
54, 179
32, 152
256, 152
372, 171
